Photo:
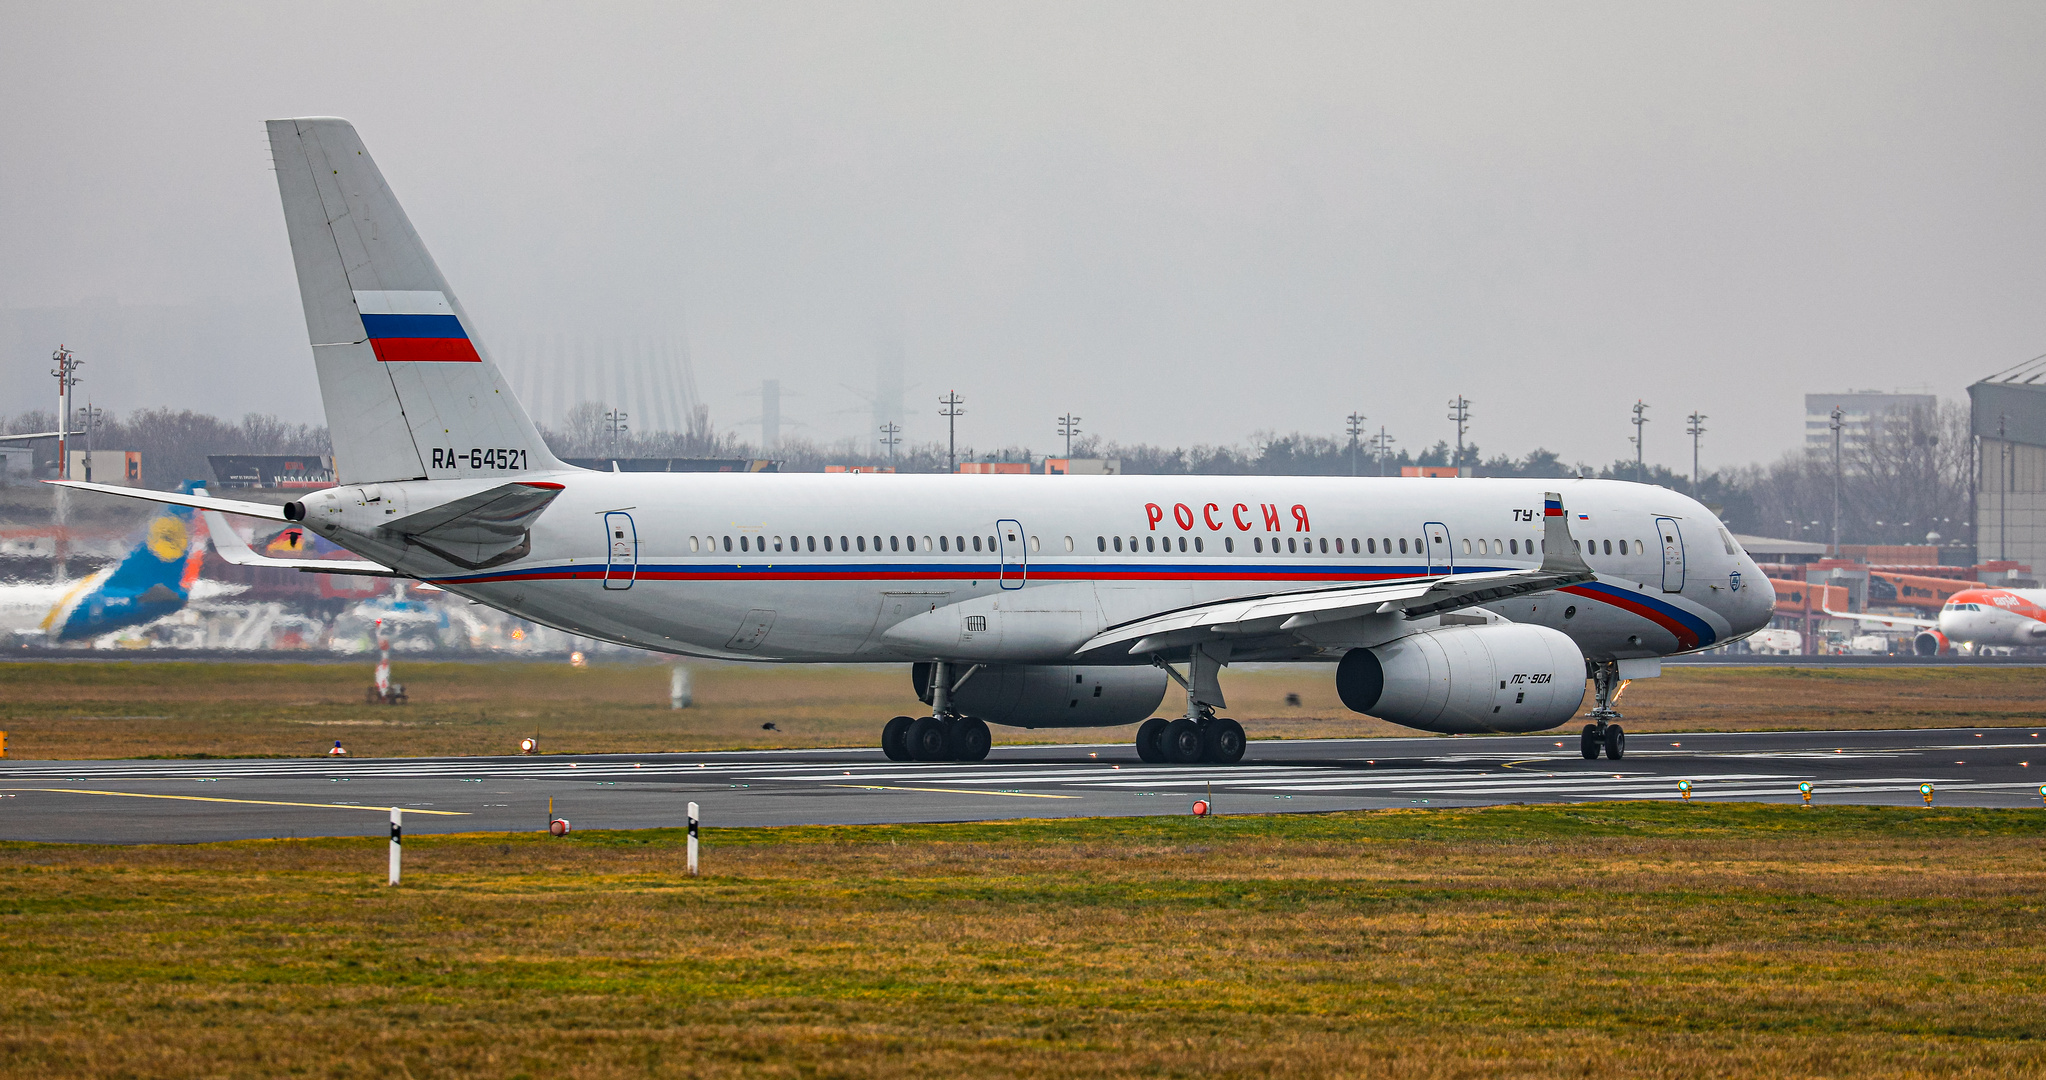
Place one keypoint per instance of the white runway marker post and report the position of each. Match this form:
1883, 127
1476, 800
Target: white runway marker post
397, 841
692, 839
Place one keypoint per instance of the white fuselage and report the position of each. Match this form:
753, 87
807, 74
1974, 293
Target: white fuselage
757, 566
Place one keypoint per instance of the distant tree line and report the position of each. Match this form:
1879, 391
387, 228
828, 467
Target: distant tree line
1911, 477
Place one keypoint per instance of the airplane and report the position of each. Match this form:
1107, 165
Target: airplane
1987, 617
156, 578
1467, 605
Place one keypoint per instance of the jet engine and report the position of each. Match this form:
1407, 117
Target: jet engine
1053, 695
1467, 679
1931, 643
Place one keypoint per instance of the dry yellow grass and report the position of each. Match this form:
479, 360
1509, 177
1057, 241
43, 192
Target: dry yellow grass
86, 710
1618, 940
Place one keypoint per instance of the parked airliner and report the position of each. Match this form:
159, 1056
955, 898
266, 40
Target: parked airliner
157, 576
1445, 605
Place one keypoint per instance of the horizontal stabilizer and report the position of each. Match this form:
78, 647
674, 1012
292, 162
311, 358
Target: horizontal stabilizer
229, 545
1884, 620
173, 498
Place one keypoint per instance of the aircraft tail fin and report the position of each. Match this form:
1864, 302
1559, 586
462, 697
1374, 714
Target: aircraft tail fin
410, 391
1559, 550
153, 580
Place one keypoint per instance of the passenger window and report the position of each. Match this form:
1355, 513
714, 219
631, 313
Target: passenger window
1324, 545
842, 546
1513, 546
813, 542
728, 543
1258, 542
991, 543
1150, 543
1182, 543
1290, 548
927, 543
1339, 545
1033, 545
863, 543
827, 543
1467, 545
693, 545
1197, 545
1229, 544
877, 543
944, 543
894, 543
1069, 543
1372, 546
1609, 547
976, 543
1118, 543
1101, 543
1403, 545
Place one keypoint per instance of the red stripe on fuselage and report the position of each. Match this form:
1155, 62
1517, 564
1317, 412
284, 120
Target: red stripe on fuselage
1686, 637
428, 350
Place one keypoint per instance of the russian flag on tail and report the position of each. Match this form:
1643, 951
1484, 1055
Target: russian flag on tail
1552, 507
414, 326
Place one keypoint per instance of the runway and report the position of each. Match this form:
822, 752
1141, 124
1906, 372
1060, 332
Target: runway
191, 801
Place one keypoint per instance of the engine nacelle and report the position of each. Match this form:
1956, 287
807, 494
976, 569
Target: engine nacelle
1931, 643
1468, 679
1053, 695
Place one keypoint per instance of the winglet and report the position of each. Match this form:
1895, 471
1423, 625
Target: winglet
1559, 548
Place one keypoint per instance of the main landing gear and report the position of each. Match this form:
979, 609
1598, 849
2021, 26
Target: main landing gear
942, 736
1603, 733
1187, 741
1200, 735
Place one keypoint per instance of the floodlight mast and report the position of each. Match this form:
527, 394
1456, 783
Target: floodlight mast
66, 372
1069, 426
1694, 430
951, 412
891, 433
1355, 427
1640, 418
1460, 411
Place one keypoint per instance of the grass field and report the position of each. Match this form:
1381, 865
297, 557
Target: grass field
1620, 939
85, 710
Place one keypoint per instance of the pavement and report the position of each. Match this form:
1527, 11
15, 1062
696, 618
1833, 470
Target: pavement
125, 802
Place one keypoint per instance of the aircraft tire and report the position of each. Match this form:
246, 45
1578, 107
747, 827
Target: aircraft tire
1151, 740
926, 739
968, 739
895, 738
1183, 741
1616, 742
1589, 742
1222, 741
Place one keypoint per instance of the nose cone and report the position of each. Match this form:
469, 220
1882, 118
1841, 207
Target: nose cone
1755, 603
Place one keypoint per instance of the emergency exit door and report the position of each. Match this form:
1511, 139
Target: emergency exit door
621, 564
1440, 559
1015, 560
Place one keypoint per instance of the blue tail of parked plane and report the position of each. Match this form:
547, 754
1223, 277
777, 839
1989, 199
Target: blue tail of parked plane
154, 580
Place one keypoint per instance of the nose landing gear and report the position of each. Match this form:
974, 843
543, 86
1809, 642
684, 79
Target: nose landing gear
1603, 733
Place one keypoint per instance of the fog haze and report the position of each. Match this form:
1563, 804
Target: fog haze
1187, 223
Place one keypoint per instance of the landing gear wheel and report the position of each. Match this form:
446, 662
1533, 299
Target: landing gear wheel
968, 739
895, 739
1183, 742
1223, 741
1616, 742
1589, 742
926, 739
1151, 739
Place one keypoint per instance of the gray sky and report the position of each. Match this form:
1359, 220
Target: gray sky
1185, 222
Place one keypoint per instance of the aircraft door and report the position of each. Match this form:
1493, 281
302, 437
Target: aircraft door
1672, 554
1440, 559
1015, 560
621, 542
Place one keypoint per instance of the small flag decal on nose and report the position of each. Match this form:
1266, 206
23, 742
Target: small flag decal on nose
414, 325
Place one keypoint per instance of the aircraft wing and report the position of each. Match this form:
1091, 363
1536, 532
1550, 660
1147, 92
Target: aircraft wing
234, 549
1409, 598
175, 498
1885, 620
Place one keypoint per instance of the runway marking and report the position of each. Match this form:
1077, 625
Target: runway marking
251, 802
955, 791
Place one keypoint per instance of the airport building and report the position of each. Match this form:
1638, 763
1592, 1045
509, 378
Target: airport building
1858, 411
2008, 418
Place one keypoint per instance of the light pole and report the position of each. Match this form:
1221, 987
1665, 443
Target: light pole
1383, 449
1696, 428
951, 412
614, 422
1836, 424
1640, 418
891, 433
89, 418
1069, 426
1460, 411
1355, 428
66, 372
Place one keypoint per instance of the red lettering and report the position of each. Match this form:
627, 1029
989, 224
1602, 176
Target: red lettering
1182, 515
1299, 518
1154, 514
1271, 516
1208, 515
1236, 512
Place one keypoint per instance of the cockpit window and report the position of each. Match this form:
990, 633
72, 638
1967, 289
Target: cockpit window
1726, 538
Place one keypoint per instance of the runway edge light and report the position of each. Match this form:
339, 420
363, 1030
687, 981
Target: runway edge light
1684, 789
1804, 788
1926, 790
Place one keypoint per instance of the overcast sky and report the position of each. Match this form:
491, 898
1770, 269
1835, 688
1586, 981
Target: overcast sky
1185, 222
